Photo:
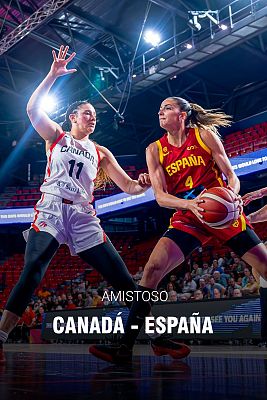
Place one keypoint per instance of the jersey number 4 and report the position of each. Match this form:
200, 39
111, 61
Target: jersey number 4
79, 170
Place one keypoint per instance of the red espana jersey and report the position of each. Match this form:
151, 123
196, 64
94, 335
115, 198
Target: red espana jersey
190, 168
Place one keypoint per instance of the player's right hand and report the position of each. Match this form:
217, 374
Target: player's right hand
59, 66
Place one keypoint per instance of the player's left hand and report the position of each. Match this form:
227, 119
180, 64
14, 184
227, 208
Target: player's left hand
237, 198
144, 180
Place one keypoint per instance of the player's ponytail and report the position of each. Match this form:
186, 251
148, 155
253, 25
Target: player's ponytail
102, 180
208, 119
202, 118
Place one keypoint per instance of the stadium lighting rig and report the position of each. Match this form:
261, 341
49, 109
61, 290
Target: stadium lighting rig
195, 16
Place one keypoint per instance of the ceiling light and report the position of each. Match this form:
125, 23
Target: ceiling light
48, 103
152, 38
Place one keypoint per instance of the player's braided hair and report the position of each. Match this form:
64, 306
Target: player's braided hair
102, 179
202, 118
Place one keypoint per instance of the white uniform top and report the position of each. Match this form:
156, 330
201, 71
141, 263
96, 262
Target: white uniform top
72, 167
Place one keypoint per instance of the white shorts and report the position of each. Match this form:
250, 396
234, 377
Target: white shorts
73, 224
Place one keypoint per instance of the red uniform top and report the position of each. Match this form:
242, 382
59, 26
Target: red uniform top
190, 168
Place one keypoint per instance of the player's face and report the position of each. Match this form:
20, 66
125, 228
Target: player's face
86, 118
170, 115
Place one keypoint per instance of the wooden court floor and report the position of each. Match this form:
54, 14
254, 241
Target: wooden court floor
69, 372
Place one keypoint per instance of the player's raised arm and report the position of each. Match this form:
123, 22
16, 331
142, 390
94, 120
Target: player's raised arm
48, 129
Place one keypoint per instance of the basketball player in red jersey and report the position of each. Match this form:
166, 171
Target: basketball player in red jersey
186, 160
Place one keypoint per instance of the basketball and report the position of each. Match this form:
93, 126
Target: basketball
220, 207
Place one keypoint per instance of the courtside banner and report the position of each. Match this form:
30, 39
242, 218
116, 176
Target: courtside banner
250, 162
212, 320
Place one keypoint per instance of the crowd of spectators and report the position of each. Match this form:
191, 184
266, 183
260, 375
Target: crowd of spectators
225, 277
222, 277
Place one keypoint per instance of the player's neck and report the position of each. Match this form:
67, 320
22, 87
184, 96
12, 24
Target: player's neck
78, 135
177, 137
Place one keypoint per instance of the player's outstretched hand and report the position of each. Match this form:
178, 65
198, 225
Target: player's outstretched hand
144, 180
59, 66
247, 198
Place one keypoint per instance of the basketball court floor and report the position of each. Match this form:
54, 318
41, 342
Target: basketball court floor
69, 372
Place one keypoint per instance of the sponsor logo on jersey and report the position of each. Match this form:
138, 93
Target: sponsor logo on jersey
194, 147
185, 162
165, 151
236, 224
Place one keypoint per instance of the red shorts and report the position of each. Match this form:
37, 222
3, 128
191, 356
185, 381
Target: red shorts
186, 221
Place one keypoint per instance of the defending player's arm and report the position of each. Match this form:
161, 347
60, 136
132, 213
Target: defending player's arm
48, 129
118, 175
258, 216
221, 159
257, 194
158, 181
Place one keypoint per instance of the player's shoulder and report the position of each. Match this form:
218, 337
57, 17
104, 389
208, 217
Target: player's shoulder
152, 148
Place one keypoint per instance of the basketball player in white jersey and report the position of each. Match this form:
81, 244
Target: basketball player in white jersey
64, 214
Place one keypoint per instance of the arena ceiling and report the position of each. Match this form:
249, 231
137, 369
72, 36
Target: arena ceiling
222, 69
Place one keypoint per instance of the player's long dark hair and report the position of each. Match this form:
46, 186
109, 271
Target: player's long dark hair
198, 116
102, 179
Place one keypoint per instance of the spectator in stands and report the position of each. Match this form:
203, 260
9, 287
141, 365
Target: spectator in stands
239, 265
245, 279
71, 305
203, 287
27, 321
220, 278
79, 302
196, 272
216, 267
198, 295
206, 269
40, 316
212, 285
97, 300
232, 285
172, 296
173, 280
63, 301
64, 214
221, 262
170, 286
217, 294
237, 293
43, 293
88, 300
251, 288
189, 287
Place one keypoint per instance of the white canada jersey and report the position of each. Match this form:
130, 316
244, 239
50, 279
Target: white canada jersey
71, 169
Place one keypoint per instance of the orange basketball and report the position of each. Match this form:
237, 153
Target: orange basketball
220, 207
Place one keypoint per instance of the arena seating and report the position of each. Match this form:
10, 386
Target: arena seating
27, 196
246, 141
65, 268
